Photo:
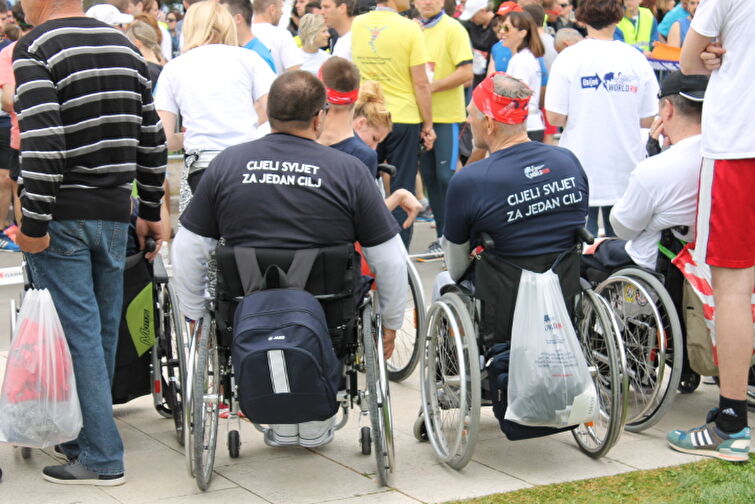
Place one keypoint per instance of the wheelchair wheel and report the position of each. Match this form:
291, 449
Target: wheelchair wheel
652, 337
406, 351
602, 349
450, 381
202, 412
378, 394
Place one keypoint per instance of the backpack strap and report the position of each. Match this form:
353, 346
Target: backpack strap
298, 273
249, 269
252, 278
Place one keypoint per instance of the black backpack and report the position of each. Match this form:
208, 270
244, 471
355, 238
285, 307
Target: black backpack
284, 363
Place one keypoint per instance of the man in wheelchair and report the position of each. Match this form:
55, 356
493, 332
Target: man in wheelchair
529, 197
285, 191
662, 191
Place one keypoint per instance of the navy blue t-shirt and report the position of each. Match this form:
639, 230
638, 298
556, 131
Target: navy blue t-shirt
360, 150
531, 198
285, 191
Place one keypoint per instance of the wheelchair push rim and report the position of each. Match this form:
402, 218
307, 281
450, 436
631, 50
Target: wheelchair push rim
650, 332
450, 382
406, 351
202, 410
599, 342
378, 395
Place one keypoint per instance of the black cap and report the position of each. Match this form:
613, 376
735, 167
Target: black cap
691, 87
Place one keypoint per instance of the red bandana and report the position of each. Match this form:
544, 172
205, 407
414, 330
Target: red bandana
499, 108
338, 97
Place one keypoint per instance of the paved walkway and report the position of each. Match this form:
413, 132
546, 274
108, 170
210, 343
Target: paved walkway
338, 473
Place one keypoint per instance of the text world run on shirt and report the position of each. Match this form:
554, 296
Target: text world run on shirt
542, 198
611, 82
282, 173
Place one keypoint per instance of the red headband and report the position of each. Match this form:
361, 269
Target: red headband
339, 97
500, 108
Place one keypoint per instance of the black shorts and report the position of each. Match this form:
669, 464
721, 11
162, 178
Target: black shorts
13, 165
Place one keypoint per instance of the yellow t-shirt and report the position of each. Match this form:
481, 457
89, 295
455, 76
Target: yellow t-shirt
447, 45
384, 45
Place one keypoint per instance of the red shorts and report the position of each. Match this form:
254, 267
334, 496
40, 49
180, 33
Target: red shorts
726, 213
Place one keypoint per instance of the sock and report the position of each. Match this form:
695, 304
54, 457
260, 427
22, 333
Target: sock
732, 415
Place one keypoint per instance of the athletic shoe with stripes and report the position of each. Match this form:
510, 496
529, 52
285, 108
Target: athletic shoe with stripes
709, 441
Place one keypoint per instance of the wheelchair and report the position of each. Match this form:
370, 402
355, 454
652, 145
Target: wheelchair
159, 371
405, 356
462, 326
355, 331
648, 308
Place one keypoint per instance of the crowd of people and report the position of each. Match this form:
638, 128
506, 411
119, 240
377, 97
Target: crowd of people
283, 111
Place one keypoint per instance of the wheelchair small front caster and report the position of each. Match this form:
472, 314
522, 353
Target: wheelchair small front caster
689, 382
234, 443
366, 441
420, 431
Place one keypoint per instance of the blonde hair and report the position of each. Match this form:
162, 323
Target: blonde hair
371, 106
309, 28
144, 33
208, 23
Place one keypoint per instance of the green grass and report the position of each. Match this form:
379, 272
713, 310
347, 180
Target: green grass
707, 482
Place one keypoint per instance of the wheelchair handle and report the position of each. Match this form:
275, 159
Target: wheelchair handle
149, 245
485, 243
584, 236
386, 168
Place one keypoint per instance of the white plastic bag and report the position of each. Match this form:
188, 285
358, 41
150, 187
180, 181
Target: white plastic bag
39, 406
549, 383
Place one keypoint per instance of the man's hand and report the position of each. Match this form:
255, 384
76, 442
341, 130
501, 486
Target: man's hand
389, 342
712, 55
144, 229
428, 136
408, 203
32, 245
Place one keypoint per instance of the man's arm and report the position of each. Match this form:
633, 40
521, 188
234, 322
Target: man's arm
556, 119
457, 258
388, 261
423, 96
7, 97
693, 61
458, 77
43, 154
190, 253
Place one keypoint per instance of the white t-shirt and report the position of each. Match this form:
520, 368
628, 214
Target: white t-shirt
343, 46
729, 100
213, 88
313, 61
166, 45
281, 44
525, 67
550, 50
604, 88
662, 193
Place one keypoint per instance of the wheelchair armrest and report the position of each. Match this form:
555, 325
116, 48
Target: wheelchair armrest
458, 289
386, 168
584, 236
160, 274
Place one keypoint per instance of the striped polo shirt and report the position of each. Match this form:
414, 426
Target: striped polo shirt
88, 125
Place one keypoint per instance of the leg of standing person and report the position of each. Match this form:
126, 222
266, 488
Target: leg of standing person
592, 220
725, 241
607, 228
83, 269
402, 151
438, 166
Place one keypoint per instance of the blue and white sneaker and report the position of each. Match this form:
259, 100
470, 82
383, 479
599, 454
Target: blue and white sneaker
709, 441
7, 245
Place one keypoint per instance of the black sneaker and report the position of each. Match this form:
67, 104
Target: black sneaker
73, 473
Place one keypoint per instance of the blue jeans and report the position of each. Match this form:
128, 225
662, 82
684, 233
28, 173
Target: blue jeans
83, 270
438, 166
592, 220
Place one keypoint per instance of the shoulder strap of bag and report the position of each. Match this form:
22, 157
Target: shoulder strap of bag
252, 278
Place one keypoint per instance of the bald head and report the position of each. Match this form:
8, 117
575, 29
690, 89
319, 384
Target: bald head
566, 37
295, 99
